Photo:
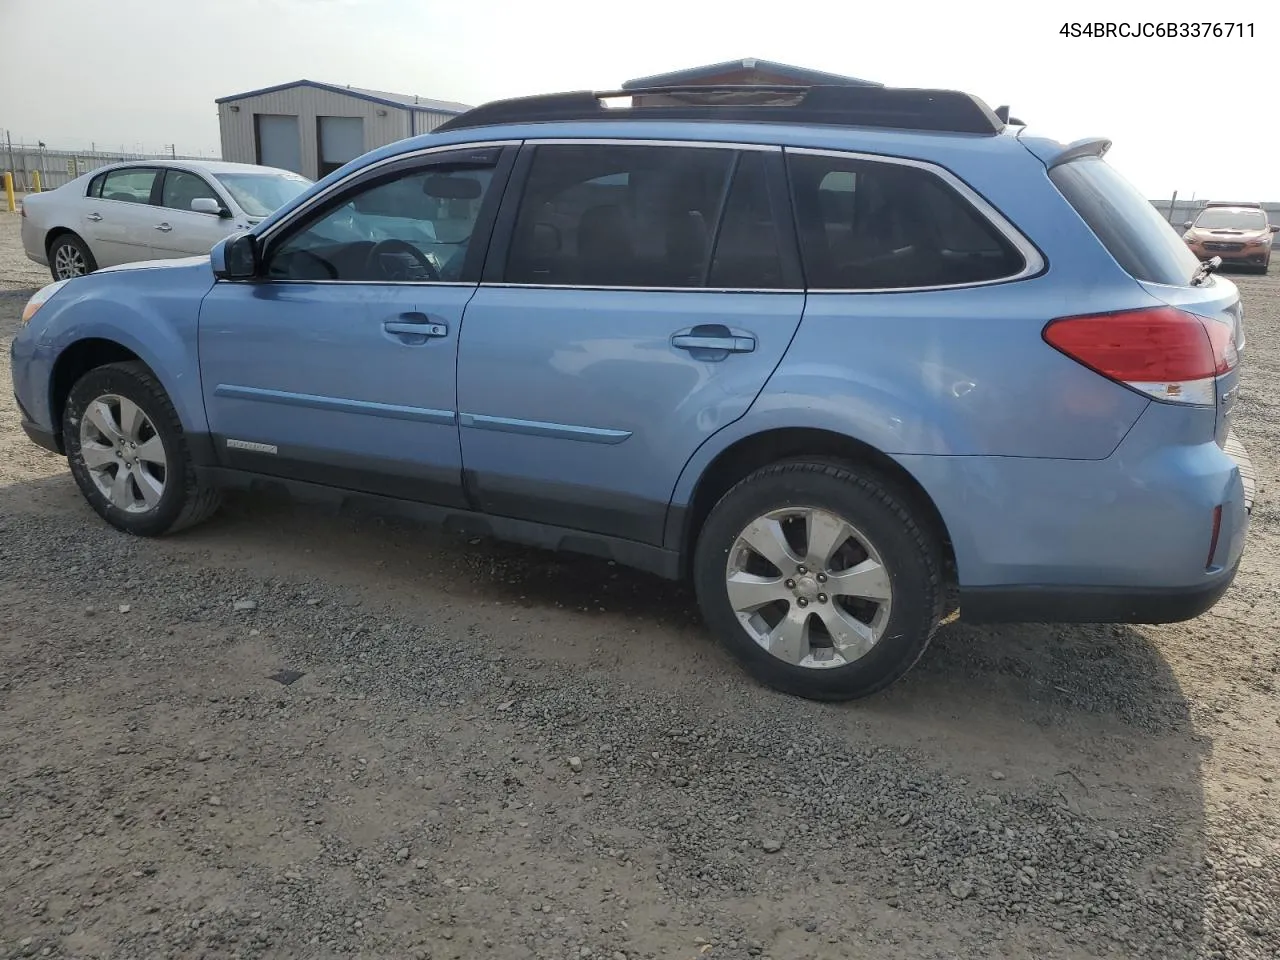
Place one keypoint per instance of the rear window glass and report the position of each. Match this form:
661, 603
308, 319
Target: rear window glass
1142, 241
871, 225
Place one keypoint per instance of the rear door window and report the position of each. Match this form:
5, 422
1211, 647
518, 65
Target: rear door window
618, 215
129, 185
1144, 244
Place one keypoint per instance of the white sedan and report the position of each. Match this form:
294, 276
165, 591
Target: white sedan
151, 210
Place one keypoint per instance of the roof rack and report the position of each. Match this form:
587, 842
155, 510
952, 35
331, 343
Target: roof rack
946, 111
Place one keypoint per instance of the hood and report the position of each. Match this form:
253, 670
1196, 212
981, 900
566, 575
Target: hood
1226, 233
154, 264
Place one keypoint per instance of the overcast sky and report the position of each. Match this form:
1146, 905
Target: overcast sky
144, 73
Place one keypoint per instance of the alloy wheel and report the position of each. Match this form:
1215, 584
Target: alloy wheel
809, 587
124, 454
68, 262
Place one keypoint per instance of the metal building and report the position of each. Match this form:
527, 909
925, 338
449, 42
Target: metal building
313, 128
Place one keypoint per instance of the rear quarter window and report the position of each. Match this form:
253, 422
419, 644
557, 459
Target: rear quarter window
1144, 244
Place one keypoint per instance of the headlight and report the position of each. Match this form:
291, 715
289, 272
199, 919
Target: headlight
1260, 241
40, 299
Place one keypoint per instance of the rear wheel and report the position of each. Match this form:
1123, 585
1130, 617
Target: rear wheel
820, 578
69, 256
128, 455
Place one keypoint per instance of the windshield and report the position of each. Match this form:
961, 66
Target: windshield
1223, 219
260, 194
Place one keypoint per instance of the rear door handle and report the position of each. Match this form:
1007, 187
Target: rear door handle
163, 227
415, 325
94, 216
690, 341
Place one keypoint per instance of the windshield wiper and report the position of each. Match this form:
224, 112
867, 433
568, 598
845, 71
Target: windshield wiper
1206, 267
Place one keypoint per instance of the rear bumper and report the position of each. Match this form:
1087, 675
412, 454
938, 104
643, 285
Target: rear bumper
1152, 534
1055, 604
33, 243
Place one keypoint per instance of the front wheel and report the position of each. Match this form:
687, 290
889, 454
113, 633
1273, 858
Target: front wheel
128, 454
822, 579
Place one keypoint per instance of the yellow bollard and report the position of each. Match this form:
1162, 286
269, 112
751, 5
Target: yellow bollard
35, 181
8, 192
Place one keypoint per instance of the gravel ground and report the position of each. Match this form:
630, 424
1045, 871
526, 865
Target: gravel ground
295, 733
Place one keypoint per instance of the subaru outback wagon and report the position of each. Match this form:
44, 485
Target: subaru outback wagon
852, 360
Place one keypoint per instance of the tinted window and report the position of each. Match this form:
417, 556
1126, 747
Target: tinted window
618, 216
1131, 229
95, 185
129, 185
416, 226
867, 225
747, 253
181, 187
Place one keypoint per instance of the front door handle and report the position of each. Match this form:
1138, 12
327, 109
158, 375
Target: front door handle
415, 325
163, 227
95, 217
690, 341
707, 339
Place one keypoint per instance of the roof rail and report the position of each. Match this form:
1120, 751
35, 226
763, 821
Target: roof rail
946, 111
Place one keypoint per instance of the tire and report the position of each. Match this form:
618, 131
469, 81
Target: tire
71, 255
162, 492
885, 530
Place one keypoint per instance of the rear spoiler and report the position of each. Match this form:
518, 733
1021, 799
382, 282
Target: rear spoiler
1081, 148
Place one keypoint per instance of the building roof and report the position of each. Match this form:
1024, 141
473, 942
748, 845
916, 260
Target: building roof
801, 75
404, 100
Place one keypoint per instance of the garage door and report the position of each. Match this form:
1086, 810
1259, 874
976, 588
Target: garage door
341, 141
278, 142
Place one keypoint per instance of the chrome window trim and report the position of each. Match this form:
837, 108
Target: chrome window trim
1033, 260
571, 286
305, 208
362, 283
650, 142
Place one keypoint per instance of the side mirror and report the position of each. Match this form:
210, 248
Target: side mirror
1275, 228
209, 205
235, 257
1186, 224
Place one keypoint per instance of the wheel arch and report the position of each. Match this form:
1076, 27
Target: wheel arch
74, 362
749, 453
53, 233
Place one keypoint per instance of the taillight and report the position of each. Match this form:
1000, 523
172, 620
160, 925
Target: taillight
1163, 352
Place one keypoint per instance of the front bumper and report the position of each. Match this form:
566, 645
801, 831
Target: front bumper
1255, 256
41, 437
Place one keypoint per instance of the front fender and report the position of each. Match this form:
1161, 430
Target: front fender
153, 313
